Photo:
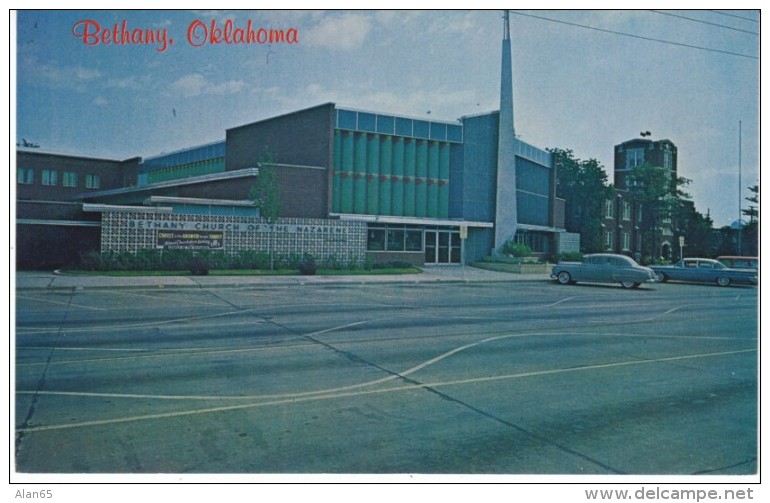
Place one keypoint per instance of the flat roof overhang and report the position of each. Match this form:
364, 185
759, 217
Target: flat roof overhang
213, 177
387, 219
117, 208
539, 228
66, 223
152, 200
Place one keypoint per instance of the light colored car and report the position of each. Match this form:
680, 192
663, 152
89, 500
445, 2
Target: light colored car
704, 270
739, 262
603, 268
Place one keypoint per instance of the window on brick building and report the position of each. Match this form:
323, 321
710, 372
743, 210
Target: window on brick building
92, 181
49, 177
609, 208
69, 179
25, 176
634, 157
626, 210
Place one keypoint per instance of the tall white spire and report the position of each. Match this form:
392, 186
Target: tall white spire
506, 78
506, 213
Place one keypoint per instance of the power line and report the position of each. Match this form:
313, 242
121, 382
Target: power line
701, 21
734, 15
635, 36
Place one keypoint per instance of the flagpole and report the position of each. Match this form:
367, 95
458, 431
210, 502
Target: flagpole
740, 183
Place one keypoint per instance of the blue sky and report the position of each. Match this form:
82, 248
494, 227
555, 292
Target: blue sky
687, 76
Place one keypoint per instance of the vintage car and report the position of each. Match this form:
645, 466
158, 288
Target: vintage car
739, 262
603, 268
704, 270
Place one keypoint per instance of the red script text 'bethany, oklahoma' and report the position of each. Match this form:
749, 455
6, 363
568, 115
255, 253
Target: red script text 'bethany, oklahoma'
198, 34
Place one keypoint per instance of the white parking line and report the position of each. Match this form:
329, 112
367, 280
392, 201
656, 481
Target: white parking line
68, 304
112, 328
335, 394
162, 353
642, 320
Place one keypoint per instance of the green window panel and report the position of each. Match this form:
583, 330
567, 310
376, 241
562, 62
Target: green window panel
337, 173
397, 183
407, 183
346, 184
380, 174
386, 170
373, 174
187, 170
359, 175
443, 182
421, 185
433, 171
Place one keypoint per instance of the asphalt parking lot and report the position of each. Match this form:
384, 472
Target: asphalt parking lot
472, 377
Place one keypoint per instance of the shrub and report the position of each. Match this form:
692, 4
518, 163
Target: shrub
516, 249
570, 257
308, 265
293, 260
334, 262
91, 261
198, 266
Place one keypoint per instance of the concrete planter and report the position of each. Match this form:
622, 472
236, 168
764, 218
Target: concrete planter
534, 268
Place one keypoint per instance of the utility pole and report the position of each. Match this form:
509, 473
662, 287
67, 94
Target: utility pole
739, 187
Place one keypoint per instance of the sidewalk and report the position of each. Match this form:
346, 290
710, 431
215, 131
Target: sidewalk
454, 274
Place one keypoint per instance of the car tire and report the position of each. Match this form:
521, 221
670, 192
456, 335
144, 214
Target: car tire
723, 281
629, 284
662, 277
564, 278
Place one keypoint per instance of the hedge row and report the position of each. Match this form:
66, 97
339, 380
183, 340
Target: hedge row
201, 261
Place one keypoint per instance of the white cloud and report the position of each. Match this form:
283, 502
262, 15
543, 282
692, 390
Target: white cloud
195, 84
189, 85
100, 101
346, 31
132, 82
229, 87
66, 77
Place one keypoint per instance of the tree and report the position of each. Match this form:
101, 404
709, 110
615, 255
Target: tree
700, 240
583, 185
749, 234
659, 193
267, 193
752, 211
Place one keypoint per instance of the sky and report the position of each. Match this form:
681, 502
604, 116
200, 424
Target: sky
583, 80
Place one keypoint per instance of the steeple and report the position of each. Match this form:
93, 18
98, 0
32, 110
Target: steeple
506, 26
506, 211
506, 75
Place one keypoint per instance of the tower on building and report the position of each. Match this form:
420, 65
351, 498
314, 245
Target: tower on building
506, 211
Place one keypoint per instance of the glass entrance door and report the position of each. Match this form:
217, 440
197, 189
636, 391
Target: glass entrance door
442, 247
431, 242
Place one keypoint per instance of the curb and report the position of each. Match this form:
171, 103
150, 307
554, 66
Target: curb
290, 283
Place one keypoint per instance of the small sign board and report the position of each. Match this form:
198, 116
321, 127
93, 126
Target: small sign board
189, 240
463, 232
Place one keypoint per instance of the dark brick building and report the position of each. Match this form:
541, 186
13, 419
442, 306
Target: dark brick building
623, 221
51, 227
